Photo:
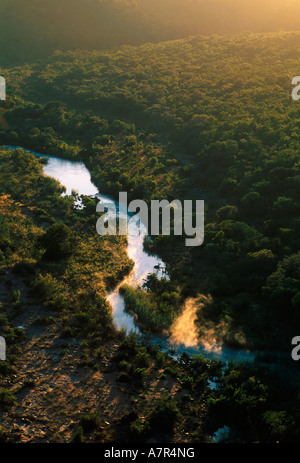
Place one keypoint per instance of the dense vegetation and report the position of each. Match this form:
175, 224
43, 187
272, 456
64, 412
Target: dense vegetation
63, 297
43, 234
199, 118
102, 24
195, 127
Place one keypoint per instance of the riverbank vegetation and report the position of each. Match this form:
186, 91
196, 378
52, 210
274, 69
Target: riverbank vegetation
156, 305
203, 118
229, 138
59, 332
44, 235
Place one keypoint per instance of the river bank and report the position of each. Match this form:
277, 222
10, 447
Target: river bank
189, 384
75, 177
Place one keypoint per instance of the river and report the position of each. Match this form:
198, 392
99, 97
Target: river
75, 177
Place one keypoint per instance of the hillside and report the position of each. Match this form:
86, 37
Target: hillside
30, 29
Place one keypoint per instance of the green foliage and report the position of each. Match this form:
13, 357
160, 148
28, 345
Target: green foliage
58, 242
150, 314
214, 140
200, 118
78, 436
257, 403
107, 24
16, 298
133, 361
165, 414
283, 288
278, 425
7, 398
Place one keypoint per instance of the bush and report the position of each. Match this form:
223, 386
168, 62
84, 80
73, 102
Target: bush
7, 398
57, 241
78, 437
16, 299
89, 422
165, 415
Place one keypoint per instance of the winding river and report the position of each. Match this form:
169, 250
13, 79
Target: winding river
75, 176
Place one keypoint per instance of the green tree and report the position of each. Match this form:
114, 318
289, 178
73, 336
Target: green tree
57, 241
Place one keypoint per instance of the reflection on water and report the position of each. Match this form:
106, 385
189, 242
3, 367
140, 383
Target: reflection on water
75, 176
71, 174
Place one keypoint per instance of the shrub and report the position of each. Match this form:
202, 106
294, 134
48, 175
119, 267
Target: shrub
89, 422
16, 299
7, 398
57, 241
78, 437
165, 414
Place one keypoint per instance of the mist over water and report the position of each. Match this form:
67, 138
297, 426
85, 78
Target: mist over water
184, 330
185, 335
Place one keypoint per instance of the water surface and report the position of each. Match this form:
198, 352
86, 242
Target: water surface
75, 177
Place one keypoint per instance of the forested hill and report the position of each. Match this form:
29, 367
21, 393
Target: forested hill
29, 29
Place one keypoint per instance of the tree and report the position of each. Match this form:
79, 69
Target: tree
283, 287
57, 241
